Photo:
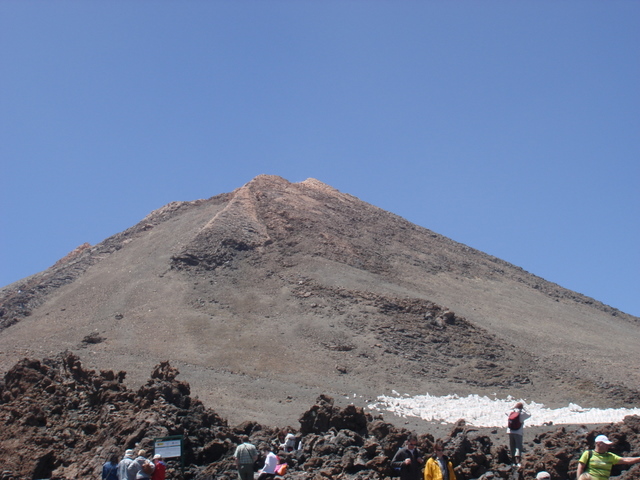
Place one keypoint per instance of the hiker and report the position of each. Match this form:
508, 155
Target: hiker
438, 466
515, 428
160, 468
124, 464
246, 455
598, 462
268, 472
289, 444
408, 460
110, 468
140, 468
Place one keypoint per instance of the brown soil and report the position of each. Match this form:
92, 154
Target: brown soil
276, 293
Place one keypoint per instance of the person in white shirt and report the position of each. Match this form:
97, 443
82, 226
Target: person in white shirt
270, 462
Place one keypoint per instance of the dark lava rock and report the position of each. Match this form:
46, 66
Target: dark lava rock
60, 421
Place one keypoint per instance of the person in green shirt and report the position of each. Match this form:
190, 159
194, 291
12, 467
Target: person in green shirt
598, 464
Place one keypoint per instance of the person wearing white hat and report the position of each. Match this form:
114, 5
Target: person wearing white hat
598, 462
159, 472
124, 464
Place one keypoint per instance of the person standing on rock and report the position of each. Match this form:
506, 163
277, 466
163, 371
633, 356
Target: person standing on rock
246, 454
110, 468
598, 462
515, 429
408, 460
124, 464
438, 466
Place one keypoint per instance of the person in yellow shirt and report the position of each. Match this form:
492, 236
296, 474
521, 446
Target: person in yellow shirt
438, 467
598, 462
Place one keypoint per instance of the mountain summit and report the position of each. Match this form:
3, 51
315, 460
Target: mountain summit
277, 292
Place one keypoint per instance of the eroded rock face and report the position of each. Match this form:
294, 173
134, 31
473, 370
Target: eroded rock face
60, 421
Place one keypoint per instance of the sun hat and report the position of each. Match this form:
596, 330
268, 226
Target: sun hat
157, 456
128, 453
543, 475
603, 439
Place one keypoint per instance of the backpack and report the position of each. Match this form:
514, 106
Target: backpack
148, 467
281, 469
514, 422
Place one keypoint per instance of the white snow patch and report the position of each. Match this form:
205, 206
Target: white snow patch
486, 412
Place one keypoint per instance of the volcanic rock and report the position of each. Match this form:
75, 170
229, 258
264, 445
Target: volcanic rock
269, 296
62, 421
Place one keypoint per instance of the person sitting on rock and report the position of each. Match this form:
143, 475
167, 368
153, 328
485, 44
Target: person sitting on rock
289, 444
438, 467
408, 460
268, 472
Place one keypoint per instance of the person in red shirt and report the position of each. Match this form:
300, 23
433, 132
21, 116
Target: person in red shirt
161, 468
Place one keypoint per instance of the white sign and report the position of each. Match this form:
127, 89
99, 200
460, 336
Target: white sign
168, 448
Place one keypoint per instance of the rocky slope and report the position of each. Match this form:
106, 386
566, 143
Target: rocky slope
62, 421
276, 293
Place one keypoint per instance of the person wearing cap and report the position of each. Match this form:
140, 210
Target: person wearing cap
598, 462
124, 464
516, 432
160, 470
543, 475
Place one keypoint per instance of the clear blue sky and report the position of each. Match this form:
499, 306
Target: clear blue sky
511, 127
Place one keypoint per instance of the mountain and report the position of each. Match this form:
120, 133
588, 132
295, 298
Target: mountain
275, 293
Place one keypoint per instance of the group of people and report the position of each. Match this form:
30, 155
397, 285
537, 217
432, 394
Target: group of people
408, 462
246, 456
134, 468
593, 464
411, 465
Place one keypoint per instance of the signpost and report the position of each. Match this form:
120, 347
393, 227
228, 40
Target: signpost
170, 447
